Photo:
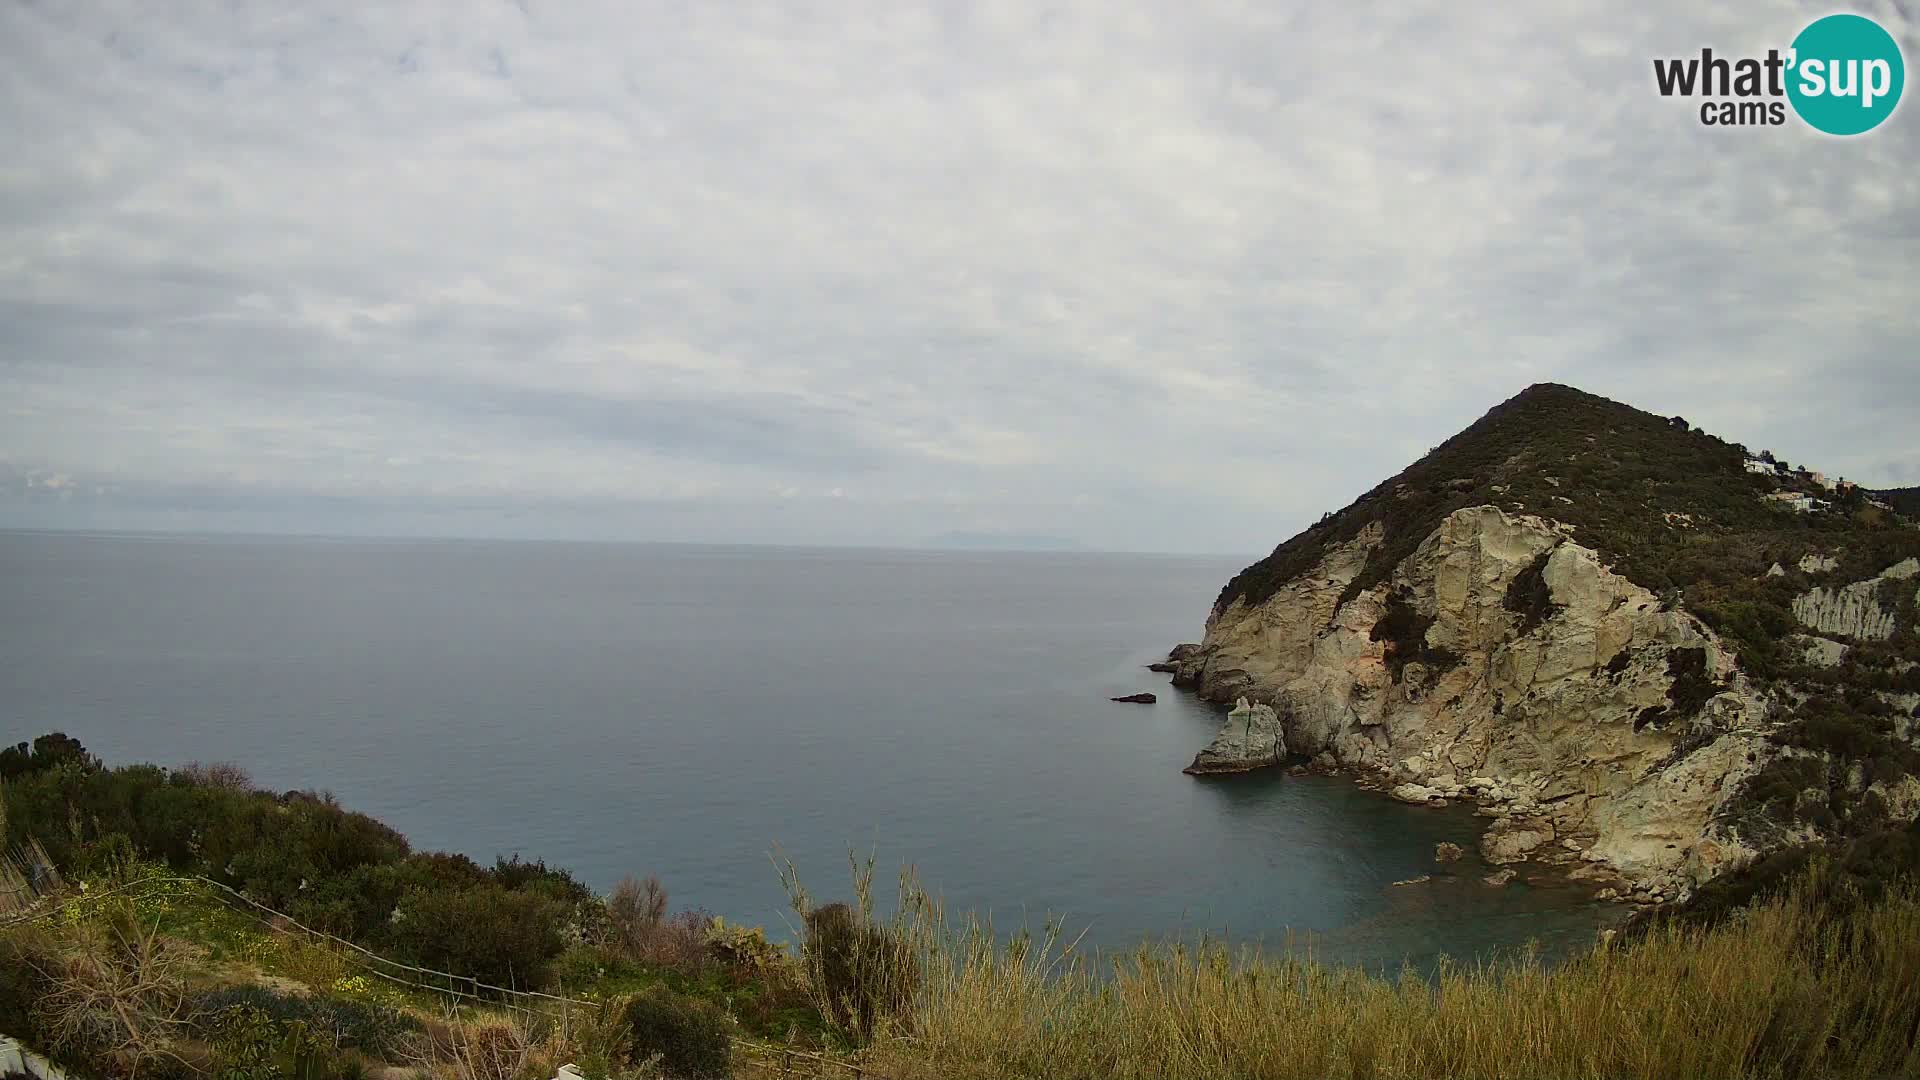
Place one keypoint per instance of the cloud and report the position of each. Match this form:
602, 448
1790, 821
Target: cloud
1151, 276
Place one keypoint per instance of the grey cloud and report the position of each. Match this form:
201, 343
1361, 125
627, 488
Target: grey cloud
1151, 276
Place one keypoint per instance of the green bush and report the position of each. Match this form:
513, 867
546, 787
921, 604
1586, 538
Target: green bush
1691, 689
300, 852
246, 1040
265, 844
485, 932
692, 1037
49, 751
374, 1029
862, 973
250, 1044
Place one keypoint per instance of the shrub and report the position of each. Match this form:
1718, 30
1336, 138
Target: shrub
495, 1051
49, 751
742, 949
1777, 789
342, 1022
1691, 688
635, 910
680, 943
245, 1042
117, 998
486, 933
224, 775
692, 1037
862, 974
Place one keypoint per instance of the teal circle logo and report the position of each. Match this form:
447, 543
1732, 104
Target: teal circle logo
1845, 74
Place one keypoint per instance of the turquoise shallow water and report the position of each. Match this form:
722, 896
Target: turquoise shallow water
680, 711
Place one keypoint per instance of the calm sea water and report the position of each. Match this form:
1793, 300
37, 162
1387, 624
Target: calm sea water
681, 711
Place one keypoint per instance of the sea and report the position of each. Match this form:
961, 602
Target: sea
706, 714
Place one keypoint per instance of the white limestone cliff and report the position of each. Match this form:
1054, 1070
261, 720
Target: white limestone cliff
1854, 610
1573, 734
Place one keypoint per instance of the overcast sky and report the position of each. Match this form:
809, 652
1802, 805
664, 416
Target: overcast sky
1171, 276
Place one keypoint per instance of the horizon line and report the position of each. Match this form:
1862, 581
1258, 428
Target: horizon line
241, 534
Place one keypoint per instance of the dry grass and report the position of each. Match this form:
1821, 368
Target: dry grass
1782, 991
119, 998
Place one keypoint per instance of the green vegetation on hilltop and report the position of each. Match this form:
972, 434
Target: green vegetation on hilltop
1905, 500
1665, 503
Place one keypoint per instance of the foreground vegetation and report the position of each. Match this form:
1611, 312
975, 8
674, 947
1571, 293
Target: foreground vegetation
1808, 967
1780, 991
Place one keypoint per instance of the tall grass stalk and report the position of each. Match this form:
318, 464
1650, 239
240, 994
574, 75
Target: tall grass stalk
1784, 990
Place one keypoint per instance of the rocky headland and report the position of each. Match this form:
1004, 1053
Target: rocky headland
1595, 624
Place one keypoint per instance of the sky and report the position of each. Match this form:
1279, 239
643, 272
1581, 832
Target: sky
1136, 276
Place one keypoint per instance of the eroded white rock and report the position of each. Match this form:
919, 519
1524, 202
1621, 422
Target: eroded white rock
1570, 724
1249, 739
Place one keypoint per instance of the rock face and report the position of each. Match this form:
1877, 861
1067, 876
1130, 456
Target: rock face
1250, 739
1600, 718
1819, 651
1854, 610
1818, 564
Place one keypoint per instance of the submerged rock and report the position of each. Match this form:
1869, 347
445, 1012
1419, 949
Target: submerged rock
1421, 880
1499, 877
1250, 739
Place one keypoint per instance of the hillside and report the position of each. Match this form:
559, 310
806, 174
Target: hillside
1905, 500
1639, 621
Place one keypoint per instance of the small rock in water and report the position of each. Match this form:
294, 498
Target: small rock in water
1137, 699
1447, 852
1499, 878
1415, 880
